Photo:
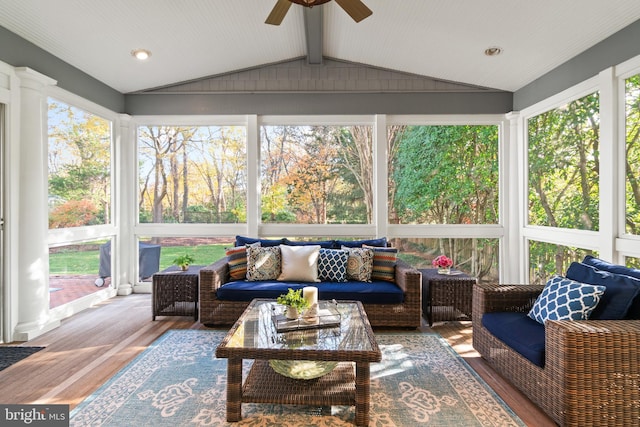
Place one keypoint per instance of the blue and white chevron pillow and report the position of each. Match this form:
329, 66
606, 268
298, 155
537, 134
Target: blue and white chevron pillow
566, 299
332, 265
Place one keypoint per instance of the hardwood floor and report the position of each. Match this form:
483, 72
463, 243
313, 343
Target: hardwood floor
90, 347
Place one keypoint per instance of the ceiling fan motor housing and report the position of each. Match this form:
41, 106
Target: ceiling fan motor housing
310, 3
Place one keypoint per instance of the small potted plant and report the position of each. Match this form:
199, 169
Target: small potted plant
295, 303
443, 264
183, 261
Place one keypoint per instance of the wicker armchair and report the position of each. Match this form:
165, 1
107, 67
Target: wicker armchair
215, 312
591, 375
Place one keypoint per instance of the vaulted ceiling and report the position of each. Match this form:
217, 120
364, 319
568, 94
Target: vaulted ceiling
196, 39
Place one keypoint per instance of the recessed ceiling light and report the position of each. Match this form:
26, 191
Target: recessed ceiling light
141, 54
493, 51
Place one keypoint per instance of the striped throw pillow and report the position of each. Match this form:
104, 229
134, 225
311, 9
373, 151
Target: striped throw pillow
384, 263
237, 262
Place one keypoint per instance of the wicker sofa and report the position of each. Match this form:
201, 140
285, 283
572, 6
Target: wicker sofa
405, 314
591, 368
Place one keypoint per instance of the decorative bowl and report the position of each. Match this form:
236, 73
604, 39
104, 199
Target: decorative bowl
302, 369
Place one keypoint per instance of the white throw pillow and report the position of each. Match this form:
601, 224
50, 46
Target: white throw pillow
300, 263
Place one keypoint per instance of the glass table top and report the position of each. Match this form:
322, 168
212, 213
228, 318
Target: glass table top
257, 330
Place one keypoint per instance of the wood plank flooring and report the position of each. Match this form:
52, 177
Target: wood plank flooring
92, 346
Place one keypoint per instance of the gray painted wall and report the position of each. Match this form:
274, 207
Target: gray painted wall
320, 103
619, 47
18, 52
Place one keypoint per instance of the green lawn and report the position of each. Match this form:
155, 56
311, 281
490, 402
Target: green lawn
88, 262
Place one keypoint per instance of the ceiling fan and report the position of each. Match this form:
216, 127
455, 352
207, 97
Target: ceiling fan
355, 8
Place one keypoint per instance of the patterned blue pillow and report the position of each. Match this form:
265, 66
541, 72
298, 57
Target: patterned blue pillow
332, 265
565, 299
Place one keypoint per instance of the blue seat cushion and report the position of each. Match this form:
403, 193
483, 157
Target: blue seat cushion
620, 293
634, 310
378, 292
520, 332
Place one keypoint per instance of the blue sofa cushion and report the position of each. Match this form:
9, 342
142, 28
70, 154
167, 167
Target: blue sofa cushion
381, 242
327, 244
634, 310
379, 292
241, 241
617, 298
611, 268
520, 332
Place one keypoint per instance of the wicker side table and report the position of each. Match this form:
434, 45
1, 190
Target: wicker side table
446, 296
175, 292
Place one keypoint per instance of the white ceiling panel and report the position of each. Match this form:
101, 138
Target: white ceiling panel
193, 39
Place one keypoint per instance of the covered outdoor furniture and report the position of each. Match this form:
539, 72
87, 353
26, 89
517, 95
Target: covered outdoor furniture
148, 262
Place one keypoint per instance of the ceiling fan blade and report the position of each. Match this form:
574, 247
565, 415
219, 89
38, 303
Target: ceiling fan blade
355, 8
278, 12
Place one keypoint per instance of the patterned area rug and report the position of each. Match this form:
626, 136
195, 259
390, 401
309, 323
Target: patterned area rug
179, 382
11, 355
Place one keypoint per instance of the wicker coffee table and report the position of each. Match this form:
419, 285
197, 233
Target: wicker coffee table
254, 336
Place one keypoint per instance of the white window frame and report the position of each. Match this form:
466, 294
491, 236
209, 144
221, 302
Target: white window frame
584, 239
626, 245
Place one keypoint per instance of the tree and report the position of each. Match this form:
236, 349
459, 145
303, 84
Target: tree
447, 175
632, 110
79, 157
563, 174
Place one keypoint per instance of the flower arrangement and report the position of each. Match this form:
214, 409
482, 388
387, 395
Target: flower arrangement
442, 261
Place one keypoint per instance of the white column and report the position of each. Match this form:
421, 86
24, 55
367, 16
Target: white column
380, 176
253, 176
610, 170
33, 251
123, 245
514, 205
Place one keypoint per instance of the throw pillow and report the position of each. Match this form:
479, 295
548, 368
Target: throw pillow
621, 290
300, 263
327, 244
565, 299
384, 263
237, 262
332, 265
359, 264
381, 242
634, 309
263, 263
242, 240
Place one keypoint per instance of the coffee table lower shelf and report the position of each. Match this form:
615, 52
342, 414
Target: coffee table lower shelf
264, 385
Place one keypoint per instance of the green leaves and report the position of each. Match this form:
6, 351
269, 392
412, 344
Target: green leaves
447, 175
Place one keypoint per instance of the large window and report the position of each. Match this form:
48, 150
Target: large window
632, 115
316, 174
192, 174
443, 174
79, 159
563, 159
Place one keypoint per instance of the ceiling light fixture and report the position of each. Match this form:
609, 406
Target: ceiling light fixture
141, 54
493, 51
